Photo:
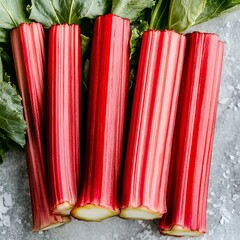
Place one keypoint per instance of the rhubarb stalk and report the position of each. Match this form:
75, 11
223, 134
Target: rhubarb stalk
193, 137
107, 106
28, 46
152, 124
62, 18
64, 104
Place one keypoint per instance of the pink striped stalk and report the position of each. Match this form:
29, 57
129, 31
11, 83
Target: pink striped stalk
193, 137
107, 107
64, 108
28, 46
152, 124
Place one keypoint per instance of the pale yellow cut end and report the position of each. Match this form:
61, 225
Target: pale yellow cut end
91, 212
57, 224
63, 209
139, 213
179, 231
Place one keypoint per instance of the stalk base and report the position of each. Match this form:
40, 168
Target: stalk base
139, 213
63, 209
94, 213
57, 224
179, 231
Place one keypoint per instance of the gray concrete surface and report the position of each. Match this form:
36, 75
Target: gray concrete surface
223, 215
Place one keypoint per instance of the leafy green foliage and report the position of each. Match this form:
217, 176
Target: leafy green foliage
130, 9
3, 145
12, 123
49, 12
13, 13
11, 115
6, 144
184, 13
135, 41
4, 57
132, 77
215, 8
86, 69
4, 36
135, 46
84, 43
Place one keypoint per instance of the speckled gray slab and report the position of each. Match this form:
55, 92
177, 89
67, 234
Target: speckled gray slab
223, 215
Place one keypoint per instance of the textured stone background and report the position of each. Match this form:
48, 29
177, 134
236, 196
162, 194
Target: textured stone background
223, 215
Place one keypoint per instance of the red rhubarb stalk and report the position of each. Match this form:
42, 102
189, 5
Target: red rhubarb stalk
152, 124
193, 137
107, 105
64, 95
28, 46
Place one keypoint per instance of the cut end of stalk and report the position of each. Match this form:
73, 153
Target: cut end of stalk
63, 209
90, 212
63, 221
180, 231
139, 213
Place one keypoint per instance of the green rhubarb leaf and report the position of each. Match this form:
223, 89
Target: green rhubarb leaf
135, 46
11, 111
84, 43
6, 144
50, 12
184, 13
215, 8
132, 78
86, 69
130, 9
5, 57
3, 145
13, 13
4, 36
135, 41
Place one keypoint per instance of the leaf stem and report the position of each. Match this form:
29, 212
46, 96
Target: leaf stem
155, 14
15, 24
59, 22
159, 17
70, 12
